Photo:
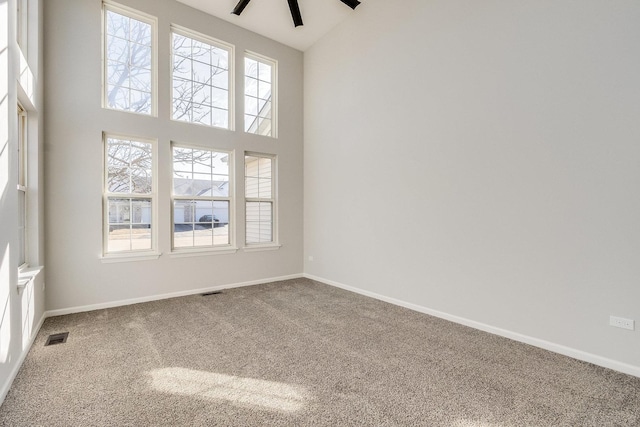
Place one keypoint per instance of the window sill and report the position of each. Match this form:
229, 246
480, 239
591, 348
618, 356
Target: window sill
185, 253
26, 275
145, 256
258, 248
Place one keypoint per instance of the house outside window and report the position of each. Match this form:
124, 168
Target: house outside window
202, 198
260, 199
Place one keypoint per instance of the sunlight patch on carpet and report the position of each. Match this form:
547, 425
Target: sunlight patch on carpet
239, 391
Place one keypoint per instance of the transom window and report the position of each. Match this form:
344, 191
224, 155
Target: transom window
129, 63
201, 198
259, 198
129, 195
201, 79
259, 95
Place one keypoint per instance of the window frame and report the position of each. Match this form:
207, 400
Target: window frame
213, 249
274, 92
23, 187
274, 243
139, 254
221, 44
108, 5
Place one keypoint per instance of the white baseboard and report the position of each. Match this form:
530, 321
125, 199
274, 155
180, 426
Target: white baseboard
536, 342
120, 303
23, 355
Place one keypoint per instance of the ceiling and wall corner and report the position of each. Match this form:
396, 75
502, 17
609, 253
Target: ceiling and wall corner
272, 18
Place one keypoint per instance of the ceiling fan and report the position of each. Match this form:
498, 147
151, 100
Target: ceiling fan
293, 7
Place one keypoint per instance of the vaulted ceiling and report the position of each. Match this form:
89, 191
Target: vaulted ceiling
272, 18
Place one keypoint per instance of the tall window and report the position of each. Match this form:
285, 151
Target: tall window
22, 187
129, 60
259, 95
129, 195
259, 198
201, 198
201, 79
22, 24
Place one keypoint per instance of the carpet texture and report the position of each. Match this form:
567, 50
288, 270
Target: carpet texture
300, 353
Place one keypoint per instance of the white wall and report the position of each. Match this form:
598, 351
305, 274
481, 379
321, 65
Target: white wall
482, 159
21, 311
76, 275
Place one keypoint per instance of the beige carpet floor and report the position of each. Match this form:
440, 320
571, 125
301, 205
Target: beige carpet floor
300, 353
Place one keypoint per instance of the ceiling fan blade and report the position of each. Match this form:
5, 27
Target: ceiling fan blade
240, 7
295, 12
351, 3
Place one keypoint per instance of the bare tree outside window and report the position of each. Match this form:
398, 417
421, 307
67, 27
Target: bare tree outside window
129, 63
200, 82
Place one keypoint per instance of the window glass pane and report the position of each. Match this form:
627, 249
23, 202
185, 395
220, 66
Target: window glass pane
117, 25
201, 114
129, 166
220, 58
264, 167
251, 87
181, 45
129, 224
264, 90
128, 63
200, 82
221, 227
259, 224
220, 79
251, 68
264, 72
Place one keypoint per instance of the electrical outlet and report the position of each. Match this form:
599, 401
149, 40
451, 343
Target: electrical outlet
620, 322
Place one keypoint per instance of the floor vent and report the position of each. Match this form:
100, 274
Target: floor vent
57, 339
211, 293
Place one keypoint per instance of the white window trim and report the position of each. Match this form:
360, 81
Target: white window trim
108, 5
274, 244
206, 250
274, 92
133, 255
185, 32
22, 25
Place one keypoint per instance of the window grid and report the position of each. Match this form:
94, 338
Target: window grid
129, 60
202, 202
259, 95
259, 199
201, 79
129, 195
